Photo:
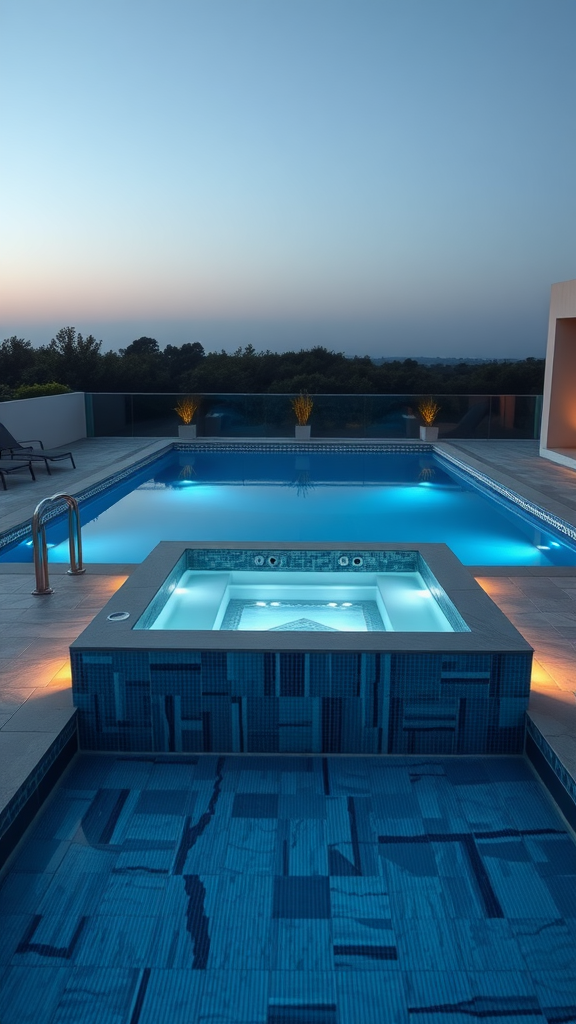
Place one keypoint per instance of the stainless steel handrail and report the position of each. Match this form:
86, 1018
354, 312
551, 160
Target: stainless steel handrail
41, 548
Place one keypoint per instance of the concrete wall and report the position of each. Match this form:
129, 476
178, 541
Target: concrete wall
559, 402
55, 420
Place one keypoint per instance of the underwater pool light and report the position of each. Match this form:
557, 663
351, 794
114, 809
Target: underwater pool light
260, 604
554, 544
543, 547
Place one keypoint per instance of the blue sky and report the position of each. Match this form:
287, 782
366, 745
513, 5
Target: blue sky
379, 176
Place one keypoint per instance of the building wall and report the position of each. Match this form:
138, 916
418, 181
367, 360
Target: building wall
559, 402
55, 420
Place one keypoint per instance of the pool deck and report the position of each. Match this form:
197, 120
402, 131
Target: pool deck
35, 632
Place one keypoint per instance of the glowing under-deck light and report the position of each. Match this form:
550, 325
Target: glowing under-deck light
347, 604
543, 547
554, 544
260, 604
332, 604
274, 604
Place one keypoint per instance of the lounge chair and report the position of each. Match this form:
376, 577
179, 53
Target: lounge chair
10, 466
24, 450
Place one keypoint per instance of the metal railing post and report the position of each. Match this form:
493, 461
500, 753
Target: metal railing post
41, 548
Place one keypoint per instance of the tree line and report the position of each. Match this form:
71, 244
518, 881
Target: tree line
76, 362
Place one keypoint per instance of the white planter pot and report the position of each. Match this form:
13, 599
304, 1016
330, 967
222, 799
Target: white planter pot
187, 431
428, 433
302, 433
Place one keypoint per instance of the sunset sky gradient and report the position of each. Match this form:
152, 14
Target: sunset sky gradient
378, 176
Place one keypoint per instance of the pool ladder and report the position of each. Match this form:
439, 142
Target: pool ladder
41, 548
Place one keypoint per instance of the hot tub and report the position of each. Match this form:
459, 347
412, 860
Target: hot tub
297, 602
301, 648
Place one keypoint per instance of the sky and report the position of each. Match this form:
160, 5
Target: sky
382, 177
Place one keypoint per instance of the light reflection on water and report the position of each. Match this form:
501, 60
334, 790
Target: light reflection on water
346, 499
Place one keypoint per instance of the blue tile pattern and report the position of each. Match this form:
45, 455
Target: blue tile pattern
371, 617
552, 771
17, 814
505, 495
283, 702
291, 890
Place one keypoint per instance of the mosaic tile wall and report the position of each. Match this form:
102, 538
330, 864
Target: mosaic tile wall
551, 770
261, 890
284, 702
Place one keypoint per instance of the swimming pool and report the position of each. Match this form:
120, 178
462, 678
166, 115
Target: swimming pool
301, 493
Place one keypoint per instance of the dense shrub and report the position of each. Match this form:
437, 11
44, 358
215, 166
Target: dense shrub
41, 390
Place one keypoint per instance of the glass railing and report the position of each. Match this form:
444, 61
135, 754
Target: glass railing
334, 416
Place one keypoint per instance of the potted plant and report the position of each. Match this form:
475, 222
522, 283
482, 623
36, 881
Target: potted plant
302, 407
428, 410
186, 409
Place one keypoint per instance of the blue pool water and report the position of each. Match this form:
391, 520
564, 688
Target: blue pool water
316, 496
291, 891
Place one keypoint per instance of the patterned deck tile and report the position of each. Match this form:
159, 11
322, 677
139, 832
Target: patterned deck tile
172, 997
437, 997
489, 945
371, 998
93, 995
116, 942
31, 994
239, 996
189, 892
12, 928
545, 945
432, 946
301, 945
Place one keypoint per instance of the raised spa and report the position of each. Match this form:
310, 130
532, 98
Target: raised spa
276, 600
301, 649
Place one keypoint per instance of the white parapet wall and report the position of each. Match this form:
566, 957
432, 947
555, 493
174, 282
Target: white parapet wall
558, 436
55, 420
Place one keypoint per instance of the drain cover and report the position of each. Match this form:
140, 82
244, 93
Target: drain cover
118, 616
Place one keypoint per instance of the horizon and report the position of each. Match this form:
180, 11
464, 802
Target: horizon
370, 178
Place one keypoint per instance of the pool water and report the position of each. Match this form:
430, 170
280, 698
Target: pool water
343, 496
291, 890
296, 601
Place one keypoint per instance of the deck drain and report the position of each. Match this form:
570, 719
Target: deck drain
118, 616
